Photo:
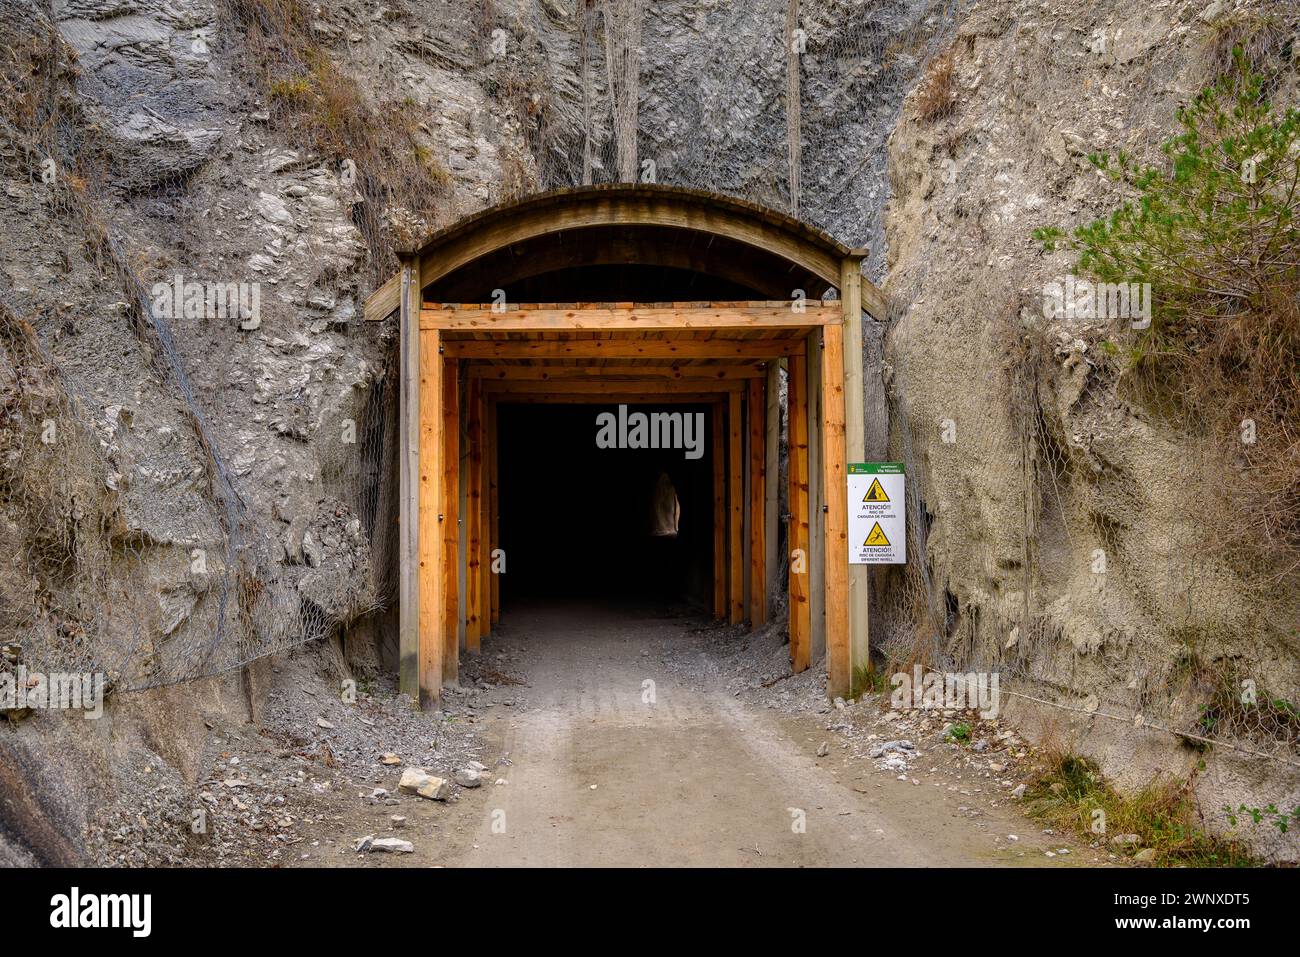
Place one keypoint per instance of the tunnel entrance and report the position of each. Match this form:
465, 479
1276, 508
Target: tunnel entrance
579, 520
521, 325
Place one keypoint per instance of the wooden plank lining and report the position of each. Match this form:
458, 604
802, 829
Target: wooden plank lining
595, 385
685, 374
474, 508
430, 543
756, 412
623, 348
719, 464
800, 611
450, 518
835, 517
735, 511
614, 397
494, 525
625, 318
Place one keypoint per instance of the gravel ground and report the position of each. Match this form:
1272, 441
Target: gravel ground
313, 764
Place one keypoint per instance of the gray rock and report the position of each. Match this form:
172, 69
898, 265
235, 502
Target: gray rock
391, 845
293, 539
468, 778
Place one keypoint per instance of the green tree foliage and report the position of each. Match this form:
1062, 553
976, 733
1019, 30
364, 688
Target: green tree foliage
1214, 230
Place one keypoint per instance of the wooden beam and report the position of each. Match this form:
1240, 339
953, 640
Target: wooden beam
836, 517
735, 511
595, 386
611, 398
798, 534
772, 505
385, 300
756, 412
718, 457
623, 348
873, 298
858, 595
629, 318
474, 514
450, 518
685, 375
410, 492
494, 524
431, 549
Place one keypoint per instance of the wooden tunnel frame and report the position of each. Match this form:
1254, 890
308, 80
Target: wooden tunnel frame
460, 361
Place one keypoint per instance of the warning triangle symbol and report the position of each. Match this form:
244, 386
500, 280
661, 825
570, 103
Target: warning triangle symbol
876, 493
877, 537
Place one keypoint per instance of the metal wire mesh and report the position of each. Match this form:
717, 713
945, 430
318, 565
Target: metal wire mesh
464, 104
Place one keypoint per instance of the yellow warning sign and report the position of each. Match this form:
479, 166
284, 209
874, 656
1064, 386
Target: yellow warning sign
877, 537
876, 493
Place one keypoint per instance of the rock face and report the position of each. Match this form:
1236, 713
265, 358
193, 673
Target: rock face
251, 463
1063, 527
231, 482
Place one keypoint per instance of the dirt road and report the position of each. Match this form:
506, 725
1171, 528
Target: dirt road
617, 759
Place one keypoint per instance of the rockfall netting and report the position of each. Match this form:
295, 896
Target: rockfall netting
198, 428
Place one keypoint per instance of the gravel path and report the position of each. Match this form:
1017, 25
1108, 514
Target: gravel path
629, 747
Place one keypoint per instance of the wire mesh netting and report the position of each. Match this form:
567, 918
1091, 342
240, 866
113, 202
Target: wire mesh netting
188, 552
140, 534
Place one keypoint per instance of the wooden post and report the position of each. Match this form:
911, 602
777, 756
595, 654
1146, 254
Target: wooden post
474, 515
757, 413
485, 521
816, 501
736, 511
450, 513
772, 506
719, 456
430, 540
409, 486
836, 517
797, 444
859, 581
494, 517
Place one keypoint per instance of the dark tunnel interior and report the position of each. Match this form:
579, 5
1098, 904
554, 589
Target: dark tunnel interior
581, 521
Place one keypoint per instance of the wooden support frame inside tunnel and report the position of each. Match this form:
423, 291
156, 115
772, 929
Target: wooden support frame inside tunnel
459, 362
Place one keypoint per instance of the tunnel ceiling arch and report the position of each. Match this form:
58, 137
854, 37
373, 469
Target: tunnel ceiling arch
744, 244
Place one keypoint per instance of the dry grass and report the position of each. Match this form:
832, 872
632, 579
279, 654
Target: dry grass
315, 104
1263, 39
1246, 382
937, 98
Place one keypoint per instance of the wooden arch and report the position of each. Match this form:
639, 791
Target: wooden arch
643, 207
